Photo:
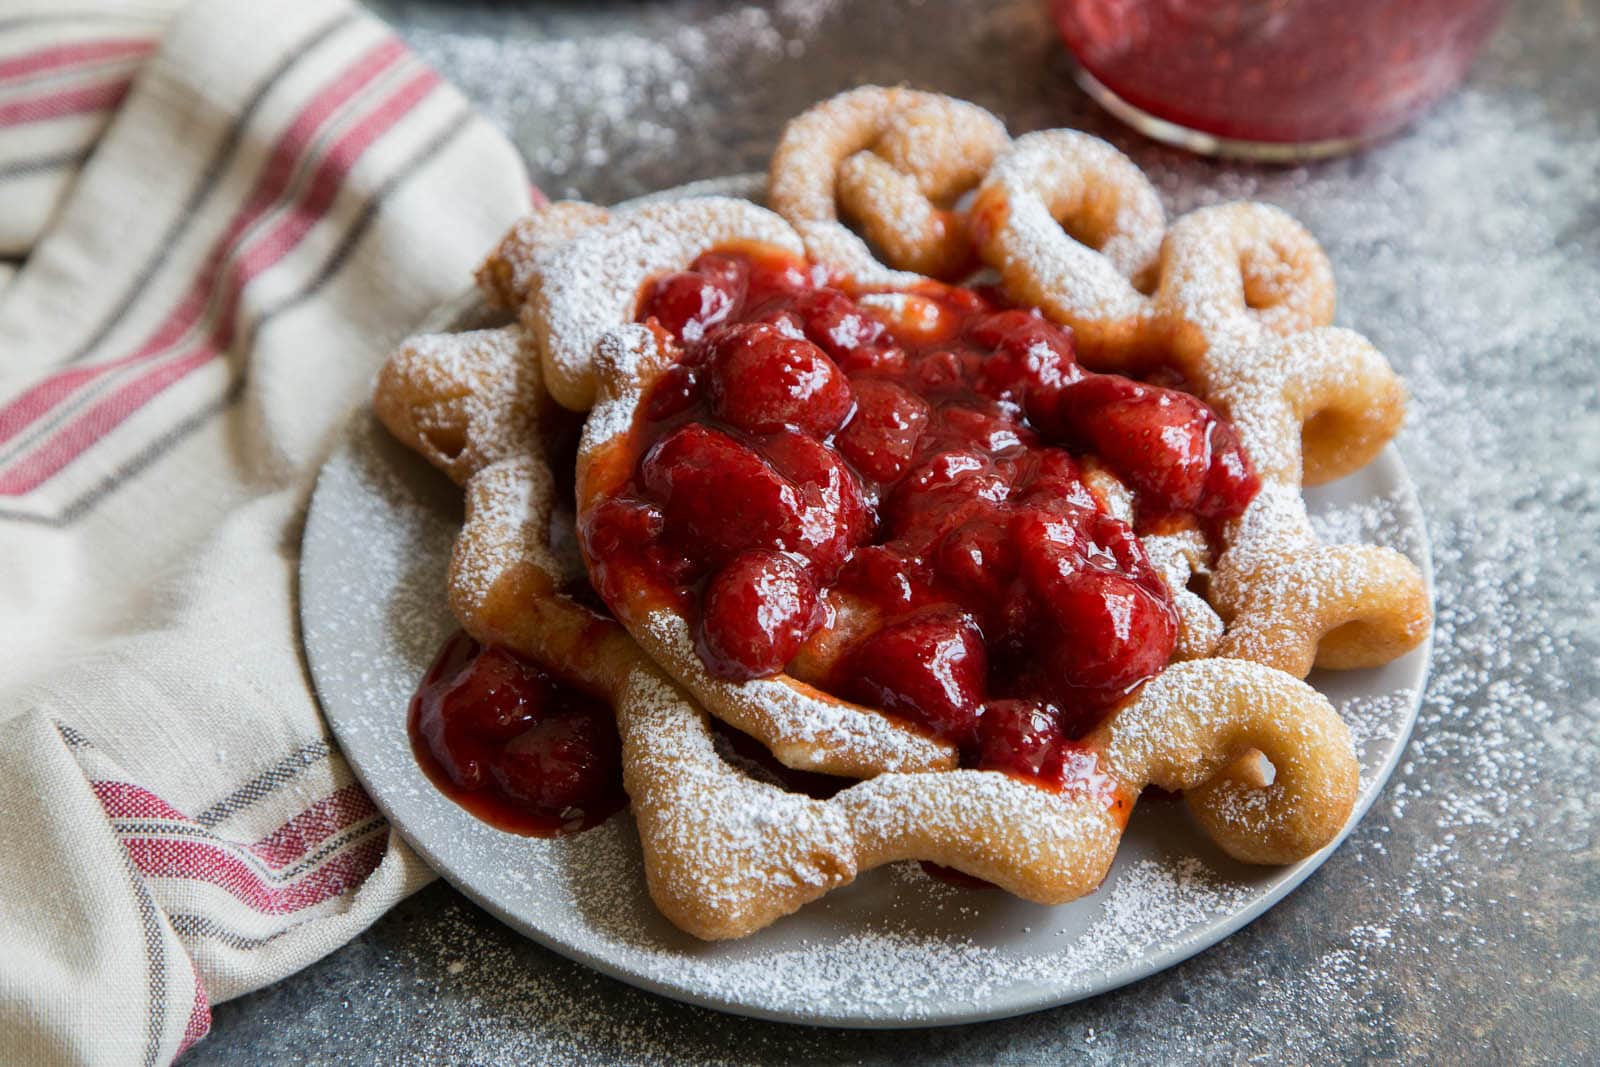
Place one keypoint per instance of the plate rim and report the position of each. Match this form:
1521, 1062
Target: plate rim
1010, 1001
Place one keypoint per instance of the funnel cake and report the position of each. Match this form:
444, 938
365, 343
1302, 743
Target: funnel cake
994, 569
727, 854
895, 162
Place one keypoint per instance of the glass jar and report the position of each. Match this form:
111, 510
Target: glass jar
1272, 79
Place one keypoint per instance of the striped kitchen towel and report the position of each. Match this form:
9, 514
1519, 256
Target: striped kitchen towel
214, 220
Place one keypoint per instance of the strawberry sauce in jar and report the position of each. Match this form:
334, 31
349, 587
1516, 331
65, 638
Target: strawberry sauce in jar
1272, 79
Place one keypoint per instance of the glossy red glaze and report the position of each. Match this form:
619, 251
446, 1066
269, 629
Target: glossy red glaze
1295, 73
929, 666
1026, 738
760, 379
514, 746
1171, 449
807, 442
758, 610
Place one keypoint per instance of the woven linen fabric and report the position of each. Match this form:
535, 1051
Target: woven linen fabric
214, 221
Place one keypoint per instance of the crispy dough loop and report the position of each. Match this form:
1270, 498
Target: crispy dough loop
463, 401
1312, 407
1325, 402
1346, 398
1074, 228
1189, 725
1043, 846
894, 161
1292, 602
1246, 293
898, 220
1233, 271
726, 855
1340, 607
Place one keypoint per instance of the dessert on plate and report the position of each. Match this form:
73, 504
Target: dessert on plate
930, 512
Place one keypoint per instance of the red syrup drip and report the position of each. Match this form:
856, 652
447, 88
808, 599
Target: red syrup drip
509, 742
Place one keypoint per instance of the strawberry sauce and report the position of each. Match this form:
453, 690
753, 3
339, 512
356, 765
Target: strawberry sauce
920, 455
513, 745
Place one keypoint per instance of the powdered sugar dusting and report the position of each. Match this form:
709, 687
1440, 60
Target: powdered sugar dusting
622, 359
590, 284
1063, 172
512, 269
803, 720
881, 155
898, 967
464, 400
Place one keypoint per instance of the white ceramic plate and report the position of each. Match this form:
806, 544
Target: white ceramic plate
894, 949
